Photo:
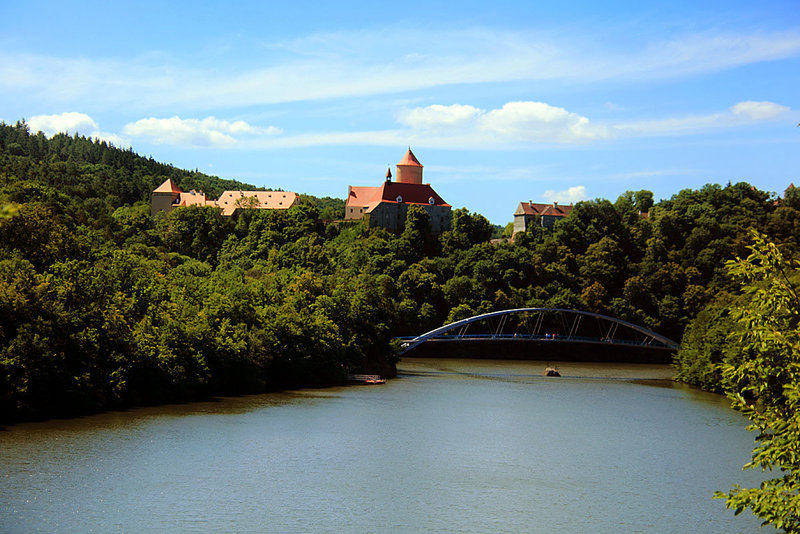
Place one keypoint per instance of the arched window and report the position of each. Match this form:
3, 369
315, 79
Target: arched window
431, 201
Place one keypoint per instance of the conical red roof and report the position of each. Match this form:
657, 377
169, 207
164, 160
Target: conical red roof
168, 187
410, 159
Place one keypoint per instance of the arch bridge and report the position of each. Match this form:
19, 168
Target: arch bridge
549, 327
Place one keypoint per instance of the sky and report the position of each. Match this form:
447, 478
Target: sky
501, 102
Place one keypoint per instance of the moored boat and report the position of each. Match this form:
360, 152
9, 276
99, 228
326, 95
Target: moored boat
366, 380
551, 371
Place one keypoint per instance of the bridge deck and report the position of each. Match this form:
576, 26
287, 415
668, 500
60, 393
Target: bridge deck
503, 348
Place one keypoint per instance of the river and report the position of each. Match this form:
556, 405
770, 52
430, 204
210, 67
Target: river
449, 446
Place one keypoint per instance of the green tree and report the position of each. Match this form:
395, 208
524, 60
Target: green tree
469, 229
7, 211
707, 345
791, 197
765, 385
462, 311
416, 237
197, 232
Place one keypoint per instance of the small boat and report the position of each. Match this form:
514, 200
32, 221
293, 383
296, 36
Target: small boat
373, 381
366, 380
551, 371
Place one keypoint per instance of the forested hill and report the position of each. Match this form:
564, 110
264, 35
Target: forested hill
84, 168
102, 305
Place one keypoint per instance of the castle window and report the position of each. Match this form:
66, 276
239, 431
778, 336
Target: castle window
399, 198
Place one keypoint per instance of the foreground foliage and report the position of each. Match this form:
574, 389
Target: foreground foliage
765, 384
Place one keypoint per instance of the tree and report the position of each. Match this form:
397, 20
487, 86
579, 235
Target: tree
416, 236
765, 386
195, 231
474, 228
589, 222
462, 311
791, 197
7, 211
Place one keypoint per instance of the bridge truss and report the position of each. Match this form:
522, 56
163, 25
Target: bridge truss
553, 324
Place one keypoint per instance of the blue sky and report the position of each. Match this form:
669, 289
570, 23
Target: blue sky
501, 102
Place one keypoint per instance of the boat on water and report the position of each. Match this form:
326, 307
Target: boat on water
373, 381
551, 371
366, 380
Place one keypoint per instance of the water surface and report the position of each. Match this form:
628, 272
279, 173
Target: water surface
449, 446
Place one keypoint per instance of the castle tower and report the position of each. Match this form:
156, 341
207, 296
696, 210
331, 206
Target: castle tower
164, 196
409, 169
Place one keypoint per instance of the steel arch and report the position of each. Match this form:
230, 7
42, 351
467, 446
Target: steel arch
458, 324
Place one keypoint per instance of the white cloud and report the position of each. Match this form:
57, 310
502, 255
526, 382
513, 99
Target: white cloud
518, 125
572, 194
740, 114
437, 115
73, 122
513, 123
359, 63
69, 122
208, 132
537, 121
710, 51
114, 139
759, 110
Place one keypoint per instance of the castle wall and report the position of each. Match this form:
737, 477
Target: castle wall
162, 202
392, 216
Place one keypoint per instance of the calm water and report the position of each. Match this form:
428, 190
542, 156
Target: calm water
450, 446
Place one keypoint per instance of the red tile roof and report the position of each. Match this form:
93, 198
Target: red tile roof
168, 187
411, 194
363, 196
533, 208
273, 200
391, 192
194, 198
410, 159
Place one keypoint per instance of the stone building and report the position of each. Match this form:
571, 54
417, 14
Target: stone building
169, 196
545, 215
230, 201
386, 206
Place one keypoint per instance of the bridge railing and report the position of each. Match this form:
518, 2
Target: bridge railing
608, 335
540, 337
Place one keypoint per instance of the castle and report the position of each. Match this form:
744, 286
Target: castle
386, 205
546, 215
169, 196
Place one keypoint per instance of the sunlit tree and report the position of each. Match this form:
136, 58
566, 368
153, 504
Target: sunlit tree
765, 385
